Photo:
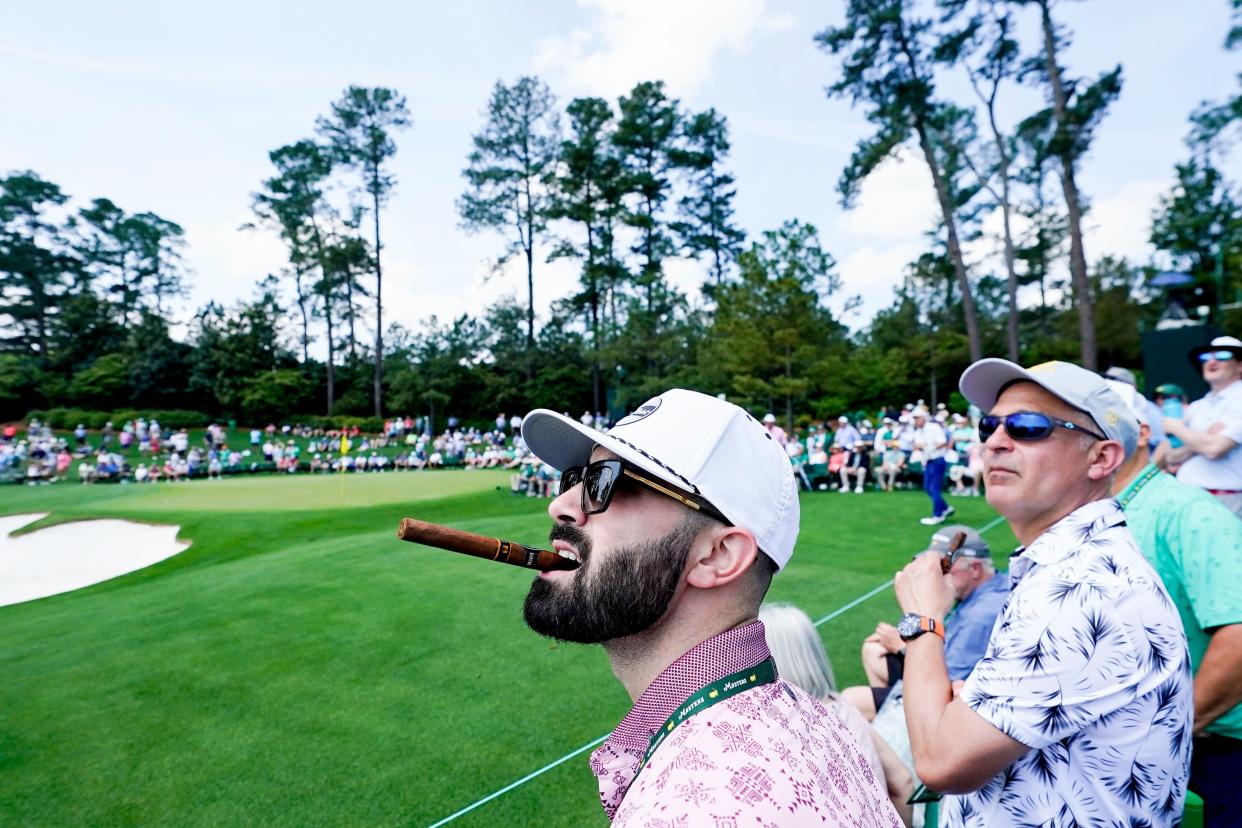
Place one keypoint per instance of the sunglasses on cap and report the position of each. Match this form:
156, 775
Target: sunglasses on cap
1219, 356
599, 482
1029, 425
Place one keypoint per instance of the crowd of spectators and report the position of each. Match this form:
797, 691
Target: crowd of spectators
884, 452
843, 456
143, 451
906, 448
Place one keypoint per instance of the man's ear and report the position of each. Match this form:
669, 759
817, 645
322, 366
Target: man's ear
1105, 457
721, 556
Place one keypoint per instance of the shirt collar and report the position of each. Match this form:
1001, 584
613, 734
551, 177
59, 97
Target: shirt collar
1070, 533
999, 580
1142, 473
715, 658
1229, 390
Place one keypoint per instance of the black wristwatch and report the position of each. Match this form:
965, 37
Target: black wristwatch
912, 625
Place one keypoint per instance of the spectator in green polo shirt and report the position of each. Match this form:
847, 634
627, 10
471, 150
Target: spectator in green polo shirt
1195, 544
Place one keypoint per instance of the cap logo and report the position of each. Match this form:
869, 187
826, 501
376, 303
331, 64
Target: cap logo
1043, 367
641, 413
1111, 418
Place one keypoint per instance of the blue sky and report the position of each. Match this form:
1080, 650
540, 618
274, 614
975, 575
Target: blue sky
173, 107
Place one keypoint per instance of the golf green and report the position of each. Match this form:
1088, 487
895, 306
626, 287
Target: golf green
299, 665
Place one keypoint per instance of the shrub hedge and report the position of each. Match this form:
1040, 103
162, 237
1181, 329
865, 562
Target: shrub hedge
68, 418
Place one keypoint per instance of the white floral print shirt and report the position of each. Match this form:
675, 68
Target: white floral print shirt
1087, 665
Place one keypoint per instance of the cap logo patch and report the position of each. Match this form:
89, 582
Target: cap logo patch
1111, 418
1043, 367
641, 413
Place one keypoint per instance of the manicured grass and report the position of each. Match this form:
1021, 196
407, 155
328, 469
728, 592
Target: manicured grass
298, 665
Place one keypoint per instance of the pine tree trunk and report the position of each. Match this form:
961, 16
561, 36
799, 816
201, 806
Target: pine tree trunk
327, 315
593, 287
955, 247
40, 301
379, 319
349, 312
530, 311
325, 273
1011, 270
1073, 206
301, 298
946, 209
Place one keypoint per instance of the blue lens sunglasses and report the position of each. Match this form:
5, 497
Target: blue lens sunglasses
1029, 425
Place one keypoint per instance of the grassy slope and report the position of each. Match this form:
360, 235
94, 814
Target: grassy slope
299, 665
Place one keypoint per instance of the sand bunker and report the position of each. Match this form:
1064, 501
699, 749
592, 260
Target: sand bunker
74, 555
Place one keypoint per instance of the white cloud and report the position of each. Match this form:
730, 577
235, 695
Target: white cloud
228, 262
874, 274
637, 40
896, 204
412, 295
1119, 225
895, 208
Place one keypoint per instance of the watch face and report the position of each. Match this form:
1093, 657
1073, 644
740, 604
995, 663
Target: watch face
908, 626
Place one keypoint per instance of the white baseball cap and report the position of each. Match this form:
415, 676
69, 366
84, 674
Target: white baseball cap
1084, 390
697, 443
1220, 343
1135, 401
1122, 375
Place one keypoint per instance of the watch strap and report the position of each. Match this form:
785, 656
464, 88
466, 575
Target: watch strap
927, 624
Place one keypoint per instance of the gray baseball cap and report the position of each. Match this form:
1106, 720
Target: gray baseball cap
1084, 390
973, 547
1121, 375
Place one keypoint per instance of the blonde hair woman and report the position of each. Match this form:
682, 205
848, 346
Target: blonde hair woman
801, 660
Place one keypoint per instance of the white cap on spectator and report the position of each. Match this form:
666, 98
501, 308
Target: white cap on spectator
1084, 390
843, 419
1220, 343
1135, 401
729, 459
767, 418
1123, 375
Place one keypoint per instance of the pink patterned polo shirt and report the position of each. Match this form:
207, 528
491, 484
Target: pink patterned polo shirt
770, 756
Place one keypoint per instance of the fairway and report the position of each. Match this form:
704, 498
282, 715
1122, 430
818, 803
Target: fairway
299, 665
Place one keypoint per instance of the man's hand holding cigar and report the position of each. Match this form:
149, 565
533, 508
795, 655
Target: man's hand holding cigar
922, 588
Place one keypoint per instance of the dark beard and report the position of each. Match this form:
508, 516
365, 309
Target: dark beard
626, 593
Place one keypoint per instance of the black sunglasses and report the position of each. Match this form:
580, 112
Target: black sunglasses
599, 481
1029, 425
1219, 356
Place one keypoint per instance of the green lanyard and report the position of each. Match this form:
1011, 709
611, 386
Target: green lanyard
762, 673
1134, 488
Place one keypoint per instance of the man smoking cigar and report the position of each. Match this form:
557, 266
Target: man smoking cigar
681, 515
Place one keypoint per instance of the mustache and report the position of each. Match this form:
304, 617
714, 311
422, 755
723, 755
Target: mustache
572, 535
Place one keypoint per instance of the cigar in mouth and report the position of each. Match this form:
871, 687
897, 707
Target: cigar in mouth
481, 546
949, 555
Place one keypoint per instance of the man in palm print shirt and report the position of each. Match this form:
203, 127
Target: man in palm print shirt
1080, 712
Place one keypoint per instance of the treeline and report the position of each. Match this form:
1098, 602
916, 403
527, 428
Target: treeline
623, 189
